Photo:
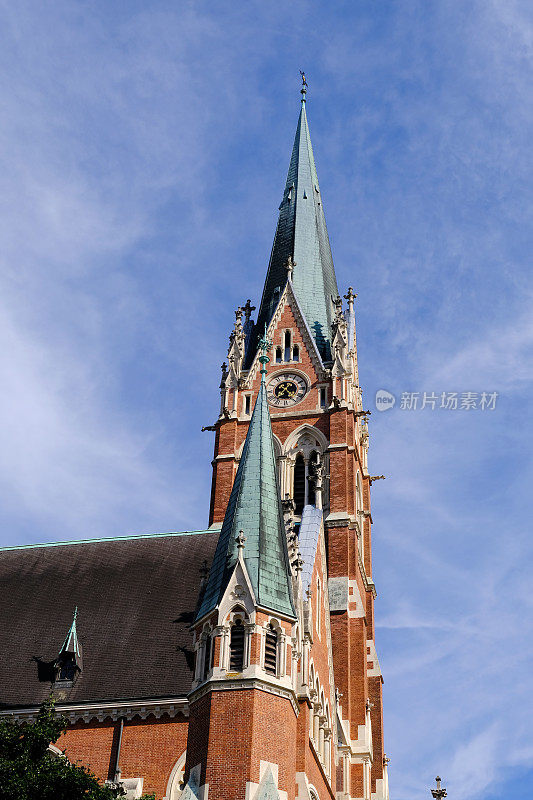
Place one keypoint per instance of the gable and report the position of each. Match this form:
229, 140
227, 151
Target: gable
288, 316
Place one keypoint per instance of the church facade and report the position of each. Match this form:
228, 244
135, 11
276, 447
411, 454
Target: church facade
239, 662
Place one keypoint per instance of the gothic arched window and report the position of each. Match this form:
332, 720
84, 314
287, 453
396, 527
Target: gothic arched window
299, 483
236, 647
313, 460
207, 656
295, 353
279, 355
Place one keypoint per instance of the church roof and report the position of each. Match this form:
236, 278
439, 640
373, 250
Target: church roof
255, 508
301, 233
136, 599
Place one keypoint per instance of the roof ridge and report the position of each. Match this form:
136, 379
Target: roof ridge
131, 537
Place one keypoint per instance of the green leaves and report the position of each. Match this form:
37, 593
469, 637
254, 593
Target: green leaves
29, 770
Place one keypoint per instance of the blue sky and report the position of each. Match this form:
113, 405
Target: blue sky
144, 152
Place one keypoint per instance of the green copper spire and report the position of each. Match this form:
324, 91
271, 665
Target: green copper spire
302, 235
71, 643
254, 519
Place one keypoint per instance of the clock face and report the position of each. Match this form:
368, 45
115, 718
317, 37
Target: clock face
286, 389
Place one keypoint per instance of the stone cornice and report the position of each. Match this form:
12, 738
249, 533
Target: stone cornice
114, 709
244, 684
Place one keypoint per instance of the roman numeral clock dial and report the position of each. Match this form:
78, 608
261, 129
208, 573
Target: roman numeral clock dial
286, 389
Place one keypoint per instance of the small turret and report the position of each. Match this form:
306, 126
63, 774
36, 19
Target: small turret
69, 662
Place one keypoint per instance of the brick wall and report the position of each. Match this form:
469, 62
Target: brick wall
149, 748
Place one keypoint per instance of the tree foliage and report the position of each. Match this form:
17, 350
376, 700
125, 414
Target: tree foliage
30, 771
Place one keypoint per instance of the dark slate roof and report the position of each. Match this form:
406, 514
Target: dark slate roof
255, 508
302, 234
136, 598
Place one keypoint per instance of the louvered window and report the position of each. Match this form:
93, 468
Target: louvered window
236, 647
271, 651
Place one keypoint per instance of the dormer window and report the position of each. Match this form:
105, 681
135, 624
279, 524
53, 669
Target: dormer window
68, 664
67, 669
236, 647
271, 650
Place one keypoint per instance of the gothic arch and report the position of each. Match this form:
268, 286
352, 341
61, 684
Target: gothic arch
299, 448
295, 441
174, 787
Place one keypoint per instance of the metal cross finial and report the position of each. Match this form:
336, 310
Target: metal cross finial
240, 539
264, 345
303, 90
438, 793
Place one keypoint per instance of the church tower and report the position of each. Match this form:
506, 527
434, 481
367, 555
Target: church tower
287, 698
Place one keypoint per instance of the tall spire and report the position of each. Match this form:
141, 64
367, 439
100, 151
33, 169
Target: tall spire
301, 235
254, 519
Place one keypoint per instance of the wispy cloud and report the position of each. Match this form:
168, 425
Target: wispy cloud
144, 149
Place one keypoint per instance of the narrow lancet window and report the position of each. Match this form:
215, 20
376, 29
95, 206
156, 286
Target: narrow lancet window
299, 483
313, 460
279, 355
207, 657
287, 339
295, 353
236, 647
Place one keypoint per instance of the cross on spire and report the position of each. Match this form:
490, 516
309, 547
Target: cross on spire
438, 793
303, 90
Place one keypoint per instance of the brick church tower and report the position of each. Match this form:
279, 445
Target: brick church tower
238, 662
287, 689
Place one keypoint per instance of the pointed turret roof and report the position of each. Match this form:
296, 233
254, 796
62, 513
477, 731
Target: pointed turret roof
301, 234
72, 645
255, 509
